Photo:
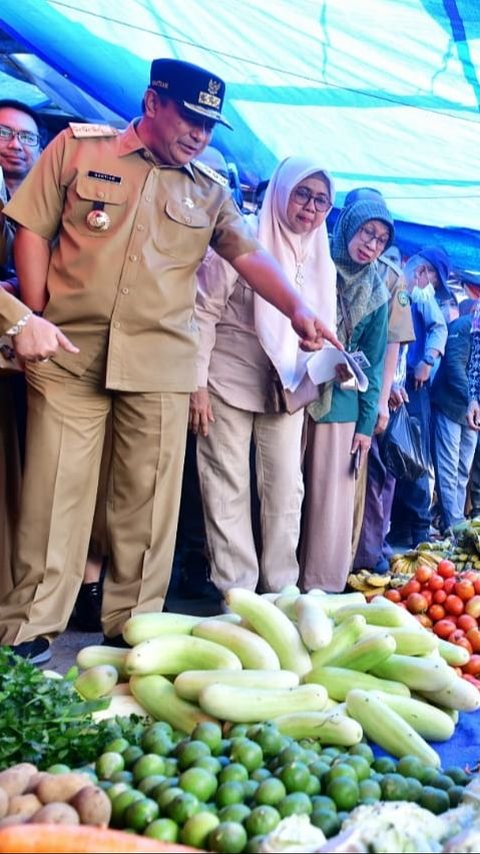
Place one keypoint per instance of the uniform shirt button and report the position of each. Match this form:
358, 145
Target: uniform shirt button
116, 325
187, 219
124, 290
140, 227
132, 257
100, 194
148, 198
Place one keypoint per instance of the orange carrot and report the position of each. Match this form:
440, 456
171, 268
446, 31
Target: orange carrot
61, 839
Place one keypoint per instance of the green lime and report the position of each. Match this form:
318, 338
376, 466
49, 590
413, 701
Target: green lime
332, 751
122, 777
344, 791
292, 753
230, 792
296, 803
140, 813
233, 771
327, 758
223, 748
369, 791
131, 754
295, 776
210, 763
323, 802
147, 765
149, 784
201, 783
443, 781
162, 828
362, 749
171, 766
260, 774
183, 807
228, 837
234, 812
394, 787
360, 765
326, 820
313, 786
114, 789
208, 732
160, 743
270, 792
58, 768
254, 844
262, 820
414, 789
429, 775
455, 795
411, 766
268, 737
248, 753
319, 768
435, 800
385, 765
108, 764
238, 731
196, 829
118, 745
340, 769
458, 775
167, 783
167, 796
249, 789
120, 804
188, 752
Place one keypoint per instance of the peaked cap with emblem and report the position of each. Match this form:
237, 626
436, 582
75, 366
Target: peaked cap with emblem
193, 87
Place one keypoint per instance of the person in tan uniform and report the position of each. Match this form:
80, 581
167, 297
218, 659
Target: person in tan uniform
111, 228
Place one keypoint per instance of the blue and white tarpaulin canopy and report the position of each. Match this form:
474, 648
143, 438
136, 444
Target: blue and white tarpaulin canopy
386, 91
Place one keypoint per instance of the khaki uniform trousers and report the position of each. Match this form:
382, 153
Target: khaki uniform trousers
359, 508
65, 436
10, 482
224, 474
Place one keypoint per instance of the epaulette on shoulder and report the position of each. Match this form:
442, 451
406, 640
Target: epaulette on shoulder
85, 130
207, 170
389, 263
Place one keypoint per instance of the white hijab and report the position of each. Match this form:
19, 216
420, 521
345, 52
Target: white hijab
305, 257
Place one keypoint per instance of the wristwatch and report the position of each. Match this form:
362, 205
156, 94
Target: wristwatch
429, 360
19, 325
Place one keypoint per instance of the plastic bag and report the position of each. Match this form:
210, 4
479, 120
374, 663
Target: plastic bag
401, 446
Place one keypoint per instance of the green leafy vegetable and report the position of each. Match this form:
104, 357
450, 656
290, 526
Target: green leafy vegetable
45, 721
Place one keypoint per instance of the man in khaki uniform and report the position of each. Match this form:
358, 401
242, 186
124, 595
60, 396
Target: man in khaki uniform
132, 217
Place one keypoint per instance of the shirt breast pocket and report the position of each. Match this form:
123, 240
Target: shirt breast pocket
183, 232
89, 194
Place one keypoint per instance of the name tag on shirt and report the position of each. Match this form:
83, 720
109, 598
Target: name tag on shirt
360, 359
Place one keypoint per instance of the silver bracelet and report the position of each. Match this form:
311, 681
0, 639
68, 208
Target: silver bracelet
19, 325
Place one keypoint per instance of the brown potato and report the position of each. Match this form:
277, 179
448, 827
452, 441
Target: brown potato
93, 806
14, 780
55, 813
24, 805
34, 781
14, 819
61, 787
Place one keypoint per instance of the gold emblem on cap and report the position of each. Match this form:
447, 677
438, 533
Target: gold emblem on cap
209, 100
188, 202
214, 86
98, 220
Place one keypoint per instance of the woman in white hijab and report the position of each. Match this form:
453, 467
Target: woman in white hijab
241, 337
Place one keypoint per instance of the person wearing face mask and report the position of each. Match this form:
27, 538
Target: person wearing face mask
241, 337
411, 507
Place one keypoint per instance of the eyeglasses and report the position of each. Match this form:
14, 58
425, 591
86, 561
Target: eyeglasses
302, 196
26, 137
368, 235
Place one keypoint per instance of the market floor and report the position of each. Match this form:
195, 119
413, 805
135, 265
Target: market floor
68, 644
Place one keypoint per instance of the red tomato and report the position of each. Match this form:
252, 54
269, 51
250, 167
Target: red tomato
449, 585
427, 594
464, 589
473, 666
436, 612
393, 594
473, 635
456, 635
439, 597
453, 605
412, 586
416, 603
446, 568
461, 640
444, 628
472, 607
423, 573
436, 582
476, 584
465, 622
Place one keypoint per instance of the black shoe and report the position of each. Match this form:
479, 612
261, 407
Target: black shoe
37, 651
116, 640
88, 608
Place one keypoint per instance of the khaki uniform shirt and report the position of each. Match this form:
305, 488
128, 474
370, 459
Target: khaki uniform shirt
400, 323
130, 289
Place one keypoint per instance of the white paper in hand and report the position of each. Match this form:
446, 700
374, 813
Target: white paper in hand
321, 366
